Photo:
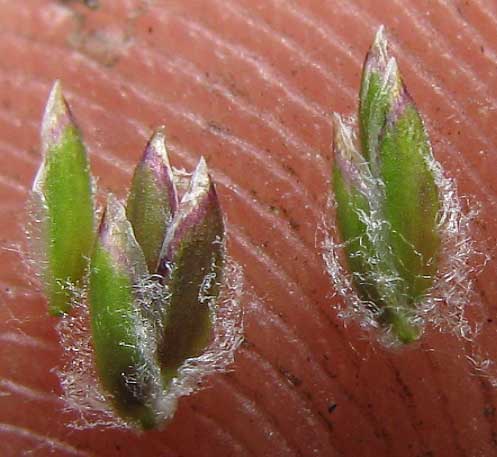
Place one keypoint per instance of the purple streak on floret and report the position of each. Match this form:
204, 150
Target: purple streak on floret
156, 159
200, 199
377, 57
116, 237
347, 156
56, 118
399, 104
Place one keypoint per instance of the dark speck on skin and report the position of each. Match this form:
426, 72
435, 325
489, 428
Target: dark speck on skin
216, 127
92, 4
294, 380
247, 344
489, 411
290, 170
332, 408
294, 224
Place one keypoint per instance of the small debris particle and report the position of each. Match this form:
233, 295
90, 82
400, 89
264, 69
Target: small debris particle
489, 411
291, 377
332, 408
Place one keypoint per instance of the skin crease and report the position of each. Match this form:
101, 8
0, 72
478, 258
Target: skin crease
250, 85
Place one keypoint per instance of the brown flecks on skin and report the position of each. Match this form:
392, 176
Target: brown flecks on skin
291, 378
489, 411
287, 168
494, 439
6, 104
213, 125
328, 423
294, 224
247, 344
274, 209
104, 46
102, 43
91, 4
282, 211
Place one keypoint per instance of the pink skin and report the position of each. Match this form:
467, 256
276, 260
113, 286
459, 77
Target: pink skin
249, 84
